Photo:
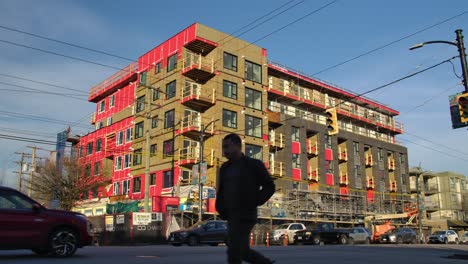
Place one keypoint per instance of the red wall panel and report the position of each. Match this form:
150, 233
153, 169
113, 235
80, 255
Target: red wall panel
329, 179
295, 148
296, 174
328, 154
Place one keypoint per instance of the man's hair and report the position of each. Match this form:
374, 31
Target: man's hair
234, 138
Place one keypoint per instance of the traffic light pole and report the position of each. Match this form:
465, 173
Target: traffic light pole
461, 50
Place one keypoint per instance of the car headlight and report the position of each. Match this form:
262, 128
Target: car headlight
308, 233
392, 237
183, 234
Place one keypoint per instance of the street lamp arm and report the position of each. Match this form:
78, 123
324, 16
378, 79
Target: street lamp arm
420, 45
204, 129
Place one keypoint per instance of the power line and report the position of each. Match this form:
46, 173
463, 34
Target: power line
34, 90
428, 100
44, 83
433, 149
389, 44
38, 118
437, 144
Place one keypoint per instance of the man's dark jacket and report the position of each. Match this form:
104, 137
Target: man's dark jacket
257, 187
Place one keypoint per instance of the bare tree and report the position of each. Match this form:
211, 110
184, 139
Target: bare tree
67, 186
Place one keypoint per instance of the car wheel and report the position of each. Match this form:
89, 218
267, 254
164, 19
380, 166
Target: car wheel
343, 240
176, 244
399, 240
446, 241
413, 240
192, 241
316, 241
367, 241
41, 251
63, 242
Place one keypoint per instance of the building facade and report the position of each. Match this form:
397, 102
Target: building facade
205, 83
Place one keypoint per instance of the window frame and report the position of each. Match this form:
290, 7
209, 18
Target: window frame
127, 161
228, 113
137, 157
112, 101
230, 66
171, 85
140, 104
230, 89
89, 148
295, 134
129, 134
254, 93
253, 118
136, 182
171, 142
169, 174
167, 119
119, 138
254, 147
99, 145
296, 161
102, 106
140, 126
171, 65
97, 167
250, 70
118, 163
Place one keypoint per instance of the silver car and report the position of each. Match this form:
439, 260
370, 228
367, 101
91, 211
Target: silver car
464, 238
360, 235
444, 236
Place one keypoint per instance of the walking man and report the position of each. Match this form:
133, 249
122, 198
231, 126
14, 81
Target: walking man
243, 184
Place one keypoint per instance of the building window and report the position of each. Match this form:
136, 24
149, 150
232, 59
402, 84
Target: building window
128, 160
253, 99
380, 154
116, 188
169, 117
81, 151
155, 94
126, 186
171, 62
357, 172
143, 78
139, 129
329, 166
153, 179
137, 157
253, 126
89, 149
356, 148
295, 134
140, 104
452, 184
102, 106
112, 101
229, 118
230, 89
157, 68
96, 168
153, 149
454, 200
120, 137
118, 163
402, 159
98, 145
129, 134
296, 161
168, 148
171, 89
253, 72
99, 125
109, 121
230, 61
137, 184
253, 151
154, 122
168, 180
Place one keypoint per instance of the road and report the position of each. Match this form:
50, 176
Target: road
381, 254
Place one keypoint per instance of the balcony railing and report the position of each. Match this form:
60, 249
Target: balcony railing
198, 67
391, 164
276, 140
118, 76
198, 96
369, 160
277, 168
313, 174
344, 180
342, 154
312, 147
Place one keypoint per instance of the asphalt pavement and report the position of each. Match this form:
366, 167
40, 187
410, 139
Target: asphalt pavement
381, 254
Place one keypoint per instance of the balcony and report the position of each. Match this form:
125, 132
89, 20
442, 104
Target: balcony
313, 175
201, 46
369, 160
344, 180
188, 156
114, 82
190, 126
342, 154
431, 189
197, 67
312, 147
198, 97
93, 119
110, 145
276, 140
277, 169
391, 164
393, 186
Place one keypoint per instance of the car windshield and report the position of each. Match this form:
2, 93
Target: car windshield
438, 233
197, 225
466, 234
285, 226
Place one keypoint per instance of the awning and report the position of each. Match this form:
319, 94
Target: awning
456, 223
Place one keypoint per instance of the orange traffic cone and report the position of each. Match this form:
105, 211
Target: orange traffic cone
252, 242
285, 240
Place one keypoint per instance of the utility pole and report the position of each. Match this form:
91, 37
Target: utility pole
461, 50
200, 184
418, 204
21, 172
33, 169
147, 149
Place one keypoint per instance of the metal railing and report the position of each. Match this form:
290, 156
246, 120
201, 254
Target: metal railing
192, 89
130, 69
193, 60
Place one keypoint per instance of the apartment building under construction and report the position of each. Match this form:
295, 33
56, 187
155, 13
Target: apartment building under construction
203, 82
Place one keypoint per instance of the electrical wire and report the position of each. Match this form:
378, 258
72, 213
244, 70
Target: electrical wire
388, 44
455, 72
44, 83
433, 149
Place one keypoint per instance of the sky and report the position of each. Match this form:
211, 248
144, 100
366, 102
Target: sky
339, 32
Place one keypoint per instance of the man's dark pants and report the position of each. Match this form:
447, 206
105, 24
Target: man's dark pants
238, 242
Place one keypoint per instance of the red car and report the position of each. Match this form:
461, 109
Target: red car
25, 224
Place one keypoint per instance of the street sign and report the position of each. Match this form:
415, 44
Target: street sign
141, 218
203, 169
195, 171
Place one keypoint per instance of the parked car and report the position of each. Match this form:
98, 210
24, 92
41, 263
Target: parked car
444, 236
25, 224
323, 233
399, 236
464, 238
211, 232
360, 235
279, 232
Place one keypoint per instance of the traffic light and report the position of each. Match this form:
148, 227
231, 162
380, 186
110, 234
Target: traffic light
332, 121
462, 100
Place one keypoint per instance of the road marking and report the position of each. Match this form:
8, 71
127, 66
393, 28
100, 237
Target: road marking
147, 256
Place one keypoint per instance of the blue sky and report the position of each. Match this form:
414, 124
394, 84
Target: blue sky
339, 32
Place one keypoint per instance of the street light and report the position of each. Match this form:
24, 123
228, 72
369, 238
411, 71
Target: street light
200, 184
461, 50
